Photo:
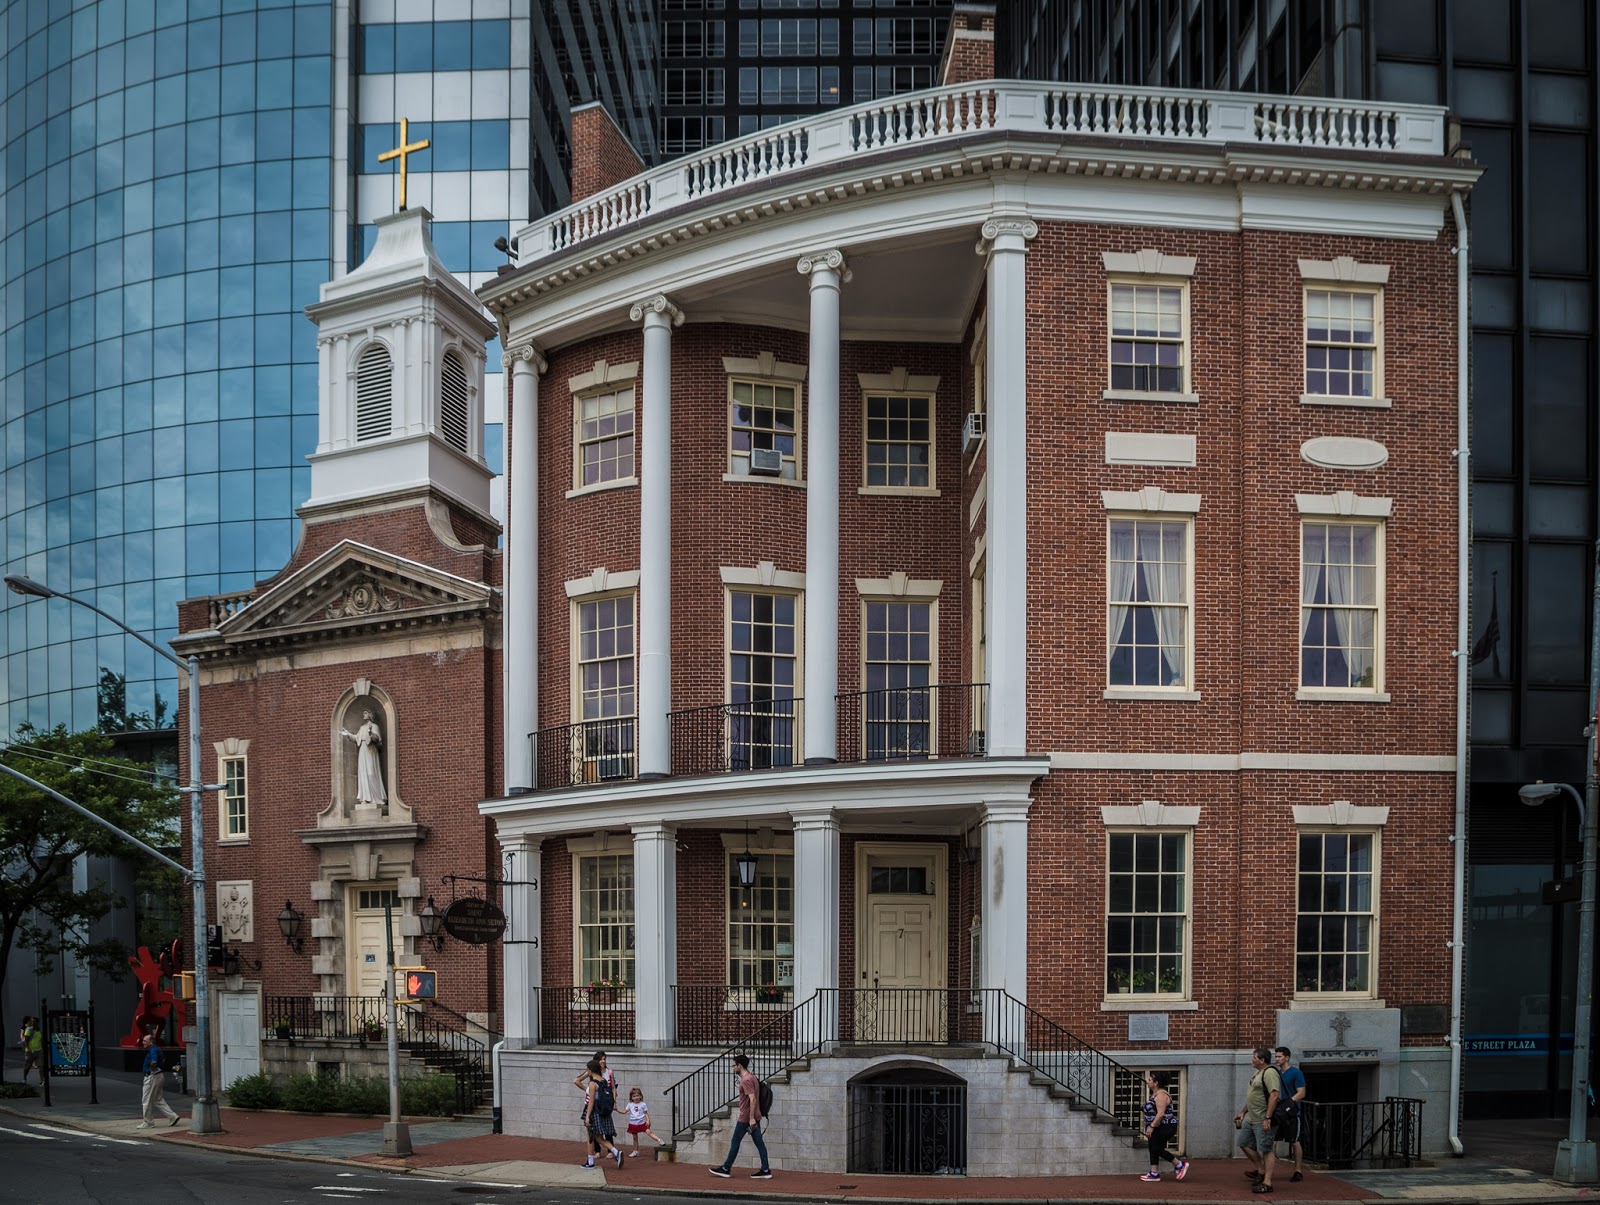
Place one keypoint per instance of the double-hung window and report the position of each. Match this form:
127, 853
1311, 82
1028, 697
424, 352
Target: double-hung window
1337, 913
605, 424
604, 919
1341, 606
603, 748
1149, 337
763, 667
898, 709
235, 801
764, 428
1147, 913
1148, 591
761, 929
899, 445
1344, 343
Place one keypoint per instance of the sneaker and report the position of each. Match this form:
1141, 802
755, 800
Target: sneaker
617, 1151
144, 1125
175, 1120
589, 1165
763, 1174
1262, 1188
720, 1171
1151, 1178
633, 1154
1182, 1169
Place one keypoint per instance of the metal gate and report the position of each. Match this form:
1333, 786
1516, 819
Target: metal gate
908, 1123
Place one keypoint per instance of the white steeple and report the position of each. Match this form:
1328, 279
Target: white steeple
400, 369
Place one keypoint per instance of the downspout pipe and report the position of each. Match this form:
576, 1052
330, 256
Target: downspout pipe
1458, 838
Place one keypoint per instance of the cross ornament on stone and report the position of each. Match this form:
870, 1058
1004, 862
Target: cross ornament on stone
400, 152
1340, 1023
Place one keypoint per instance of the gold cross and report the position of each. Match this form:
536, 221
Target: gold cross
400, 152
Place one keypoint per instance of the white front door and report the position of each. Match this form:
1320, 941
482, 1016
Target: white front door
241, 1035
901, 939
902, 954
369, 951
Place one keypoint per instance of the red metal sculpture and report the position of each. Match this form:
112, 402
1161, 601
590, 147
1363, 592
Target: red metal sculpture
156, 1003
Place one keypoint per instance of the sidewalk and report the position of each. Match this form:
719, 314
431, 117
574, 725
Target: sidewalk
1512, 1166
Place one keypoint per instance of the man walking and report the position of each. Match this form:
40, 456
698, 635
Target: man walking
1253, 1121
32, 1048
1294, 1089
749, 1121
154, 1094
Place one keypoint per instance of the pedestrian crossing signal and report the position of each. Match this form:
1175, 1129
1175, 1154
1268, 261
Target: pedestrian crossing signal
421, 984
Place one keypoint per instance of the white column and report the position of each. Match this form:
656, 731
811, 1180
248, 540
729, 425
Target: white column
1003, 911
520, 666
524, 973
654, 698
816, 913
655, 934
1006, 579
827, 271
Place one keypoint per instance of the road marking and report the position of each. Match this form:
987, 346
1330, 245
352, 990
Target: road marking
69, 1132
344, 1187
25, 1134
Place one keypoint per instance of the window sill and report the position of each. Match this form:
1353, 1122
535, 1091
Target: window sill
757, 479
1300, 1004
899, 491
600, 487
1341, 696
1329, 399
1148, 395
1125, 1002
1137, 695
245, 840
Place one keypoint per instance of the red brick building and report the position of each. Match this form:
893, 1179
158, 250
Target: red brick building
923, 666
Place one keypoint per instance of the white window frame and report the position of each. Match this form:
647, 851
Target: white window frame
1150, 268
233, 752
1323, 693
1185, 917
580, 445
1313, 997
1331, 290
912, 594
1345, 274
1184, 689
604, 379
592, 770
586, 970
773, 856
739, 462
1183, 341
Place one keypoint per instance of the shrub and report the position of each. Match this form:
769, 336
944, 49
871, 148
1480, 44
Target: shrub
362, 1094
311, 1094
429, 1095
253, 1092
10, 1091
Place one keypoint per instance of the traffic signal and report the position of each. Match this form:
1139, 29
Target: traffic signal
421, 984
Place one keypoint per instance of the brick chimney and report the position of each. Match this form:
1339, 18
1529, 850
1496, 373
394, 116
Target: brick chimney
601, 153
969, 50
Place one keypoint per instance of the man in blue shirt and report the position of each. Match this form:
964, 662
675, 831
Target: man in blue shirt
154, 1095
1294, 1088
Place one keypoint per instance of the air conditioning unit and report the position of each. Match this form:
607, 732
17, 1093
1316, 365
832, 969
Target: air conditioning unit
766, 462
972, 432
977, 744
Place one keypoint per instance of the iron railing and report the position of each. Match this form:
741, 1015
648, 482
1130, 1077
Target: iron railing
1367, 1133
906, 1016
353, 1018
913, 723
785, 1039
716, 1014
756, 734
589, 752
583, 1016
1028, 1036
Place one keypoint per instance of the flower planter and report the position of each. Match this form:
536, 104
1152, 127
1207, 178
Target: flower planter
283, 1032
602, 995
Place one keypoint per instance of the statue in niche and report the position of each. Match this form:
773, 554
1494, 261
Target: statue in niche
368, 740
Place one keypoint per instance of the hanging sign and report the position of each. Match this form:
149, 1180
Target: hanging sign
474, 921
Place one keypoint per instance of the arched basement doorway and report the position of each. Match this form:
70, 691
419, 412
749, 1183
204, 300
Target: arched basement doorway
908, 1120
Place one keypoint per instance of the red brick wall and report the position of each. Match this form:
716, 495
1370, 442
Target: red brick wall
601, 156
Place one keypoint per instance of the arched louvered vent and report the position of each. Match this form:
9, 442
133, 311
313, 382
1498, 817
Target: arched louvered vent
453, 401
374, 393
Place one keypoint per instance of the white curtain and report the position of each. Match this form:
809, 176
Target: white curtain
1119, 590
1164, 585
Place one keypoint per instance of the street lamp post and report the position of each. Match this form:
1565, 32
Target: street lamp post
205, 1117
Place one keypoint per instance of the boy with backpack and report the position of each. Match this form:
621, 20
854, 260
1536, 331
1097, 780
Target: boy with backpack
599, 1103
752, 1094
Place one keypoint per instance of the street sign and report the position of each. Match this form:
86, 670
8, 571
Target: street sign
474, 921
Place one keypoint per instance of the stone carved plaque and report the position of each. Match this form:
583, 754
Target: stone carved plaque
1147, 1027
236, 910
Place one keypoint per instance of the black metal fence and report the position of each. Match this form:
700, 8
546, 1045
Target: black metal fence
585, 1016
715, 1014
588, 752
1367, 1133
906, 1016
908, 1129
756, 734
913, 723
1013, 1028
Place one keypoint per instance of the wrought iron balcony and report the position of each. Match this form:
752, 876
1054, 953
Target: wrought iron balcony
757, 734
593, 751
913, 723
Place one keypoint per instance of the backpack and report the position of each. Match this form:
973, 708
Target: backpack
764, 1098
605, 1100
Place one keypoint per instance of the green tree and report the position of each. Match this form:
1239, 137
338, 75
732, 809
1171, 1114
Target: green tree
40, 910
111, 706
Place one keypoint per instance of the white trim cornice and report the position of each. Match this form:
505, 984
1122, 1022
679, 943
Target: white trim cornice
1345, 504
1338, 763
765, 575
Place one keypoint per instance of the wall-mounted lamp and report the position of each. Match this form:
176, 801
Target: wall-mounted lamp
432, 921
289, 923
233, 964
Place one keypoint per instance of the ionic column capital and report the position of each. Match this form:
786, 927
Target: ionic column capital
659, 304
527, 353
831, 258
1009, 227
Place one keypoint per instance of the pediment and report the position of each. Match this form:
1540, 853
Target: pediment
355, 587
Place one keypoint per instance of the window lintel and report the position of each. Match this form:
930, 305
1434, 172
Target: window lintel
897, 380
602, 581
763, 364
603, 373
1344, 270
1148, 261
764, 575
601, 843
1150, 498
897, 585
1341, 813
1150, 813
1345, 504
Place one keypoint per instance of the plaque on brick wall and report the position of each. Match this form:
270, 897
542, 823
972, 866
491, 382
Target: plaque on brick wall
1147, 1027
1424, 1018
